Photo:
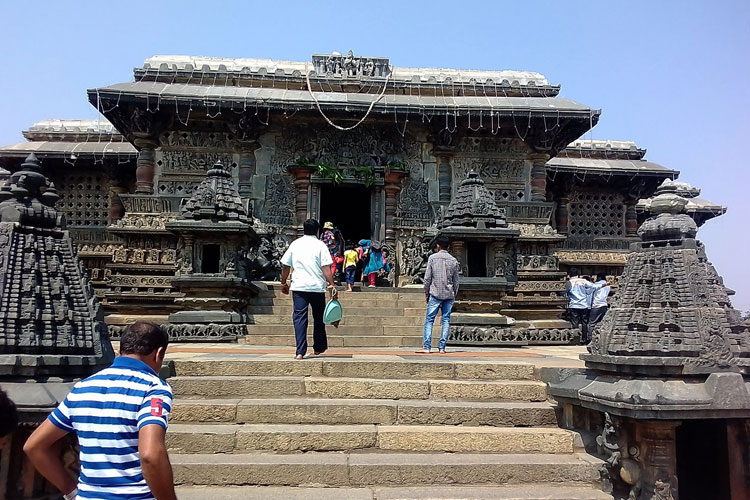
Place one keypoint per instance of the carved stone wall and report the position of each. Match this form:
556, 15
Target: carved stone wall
595, 214
84, 198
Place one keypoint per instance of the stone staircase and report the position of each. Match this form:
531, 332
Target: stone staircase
372, 318
371, 428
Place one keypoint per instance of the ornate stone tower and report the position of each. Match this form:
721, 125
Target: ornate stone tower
51, 322
667, 367
215, 235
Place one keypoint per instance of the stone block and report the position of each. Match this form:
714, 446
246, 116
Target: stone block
261, 469
488, 391
360, 388
499, 414
250, 367
204, 410
388, 369
237, 386
295, 437
185, 438
491, 370
316, 411
474, 439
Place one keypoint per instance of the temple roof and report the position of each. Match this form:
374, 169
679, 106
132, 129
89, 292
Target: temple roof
215, 200
72, 130
170, 64
473, 206
280, 98
609, 157
699, 209
70, 140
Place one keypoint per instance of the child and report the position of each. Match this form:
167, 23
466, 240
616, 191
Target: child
351, 257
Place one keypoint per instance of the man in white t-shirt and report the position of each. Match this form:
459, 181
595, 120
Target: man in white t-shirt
311, 261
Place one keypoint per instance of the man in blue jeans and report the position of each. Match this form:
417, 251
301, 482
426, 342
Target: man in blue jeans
441, 287
311, 261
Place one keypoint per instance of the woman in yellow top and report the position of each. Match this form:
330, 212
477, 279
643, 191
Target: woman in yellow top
351, 257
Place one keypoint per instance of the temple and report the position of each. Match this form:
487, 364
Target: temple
492, 158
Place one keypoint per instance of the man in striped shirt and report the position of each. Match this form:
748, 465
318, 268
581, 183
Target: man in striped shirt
120, 418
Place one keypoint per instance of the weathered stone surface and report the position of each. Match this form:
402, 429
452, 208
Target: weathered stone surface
328, 469
282, 438
184, 438
367, 388
317, 411
492, 370
250, 367
465, 468
474, 439
275, 493
476, 413
205, 410
237, 386
489, 391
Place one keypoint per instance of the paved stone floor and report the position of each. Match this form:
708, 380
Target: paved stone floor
539, 356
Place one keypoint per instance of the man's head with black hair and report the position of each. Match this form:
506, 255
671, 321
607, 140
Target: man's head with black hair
145, 341
350, 245
310, 227
442, 242
573, 272
8, 415
601, 277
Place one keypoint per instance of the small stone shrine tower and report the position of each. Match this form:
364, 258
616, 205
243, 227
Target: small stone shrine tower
51, 328
51, 324
486, 250
667, 372
215, 234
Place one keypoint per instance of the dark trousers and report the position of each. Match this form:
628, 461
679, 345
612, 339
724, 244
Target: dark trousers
316, 300
580, 317
596, 315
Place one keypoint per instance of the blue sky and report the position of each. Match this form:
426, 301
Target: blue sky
670, 75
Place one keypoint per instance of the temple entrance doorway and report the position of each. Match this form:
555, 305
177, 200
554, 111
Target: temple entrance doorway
348, 207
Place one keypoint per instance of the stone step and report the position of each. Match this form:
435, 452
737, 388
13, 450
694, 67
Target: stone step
351, 340
354, 300
363, 411
533, 491
358, 388
349, 309
368, 295
349, 319
418, 368
384, 468
232, 438
350, 329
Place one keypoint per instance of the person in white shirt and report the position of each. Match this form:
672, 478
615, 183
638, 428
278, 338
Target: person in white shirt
598, 301
311, 260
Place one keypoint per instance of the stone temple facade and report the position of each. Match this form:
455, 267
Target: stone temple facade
380, 150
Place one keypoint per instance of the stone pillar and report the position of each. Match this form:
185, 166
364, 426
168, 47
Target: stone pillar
561, 215
657, 441
392, 189
458, 251
445, 178
302, 177
146, 166
631, 218
116, 208
539, 177
246, 168
377, 217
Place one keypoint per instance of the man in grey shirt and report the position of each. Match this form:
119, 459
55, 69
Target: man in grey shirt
441, 287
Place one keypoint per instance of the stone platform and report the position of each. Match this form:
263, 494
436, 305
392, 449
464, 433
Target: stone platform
252, 422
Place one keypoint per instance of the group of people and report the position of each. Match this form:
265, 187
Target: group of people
367, 257
587, 301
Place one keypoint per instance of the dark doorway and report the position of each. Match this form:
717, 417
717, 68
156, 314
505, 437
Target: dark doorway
477, 259
348, 207
211, 258
702, 460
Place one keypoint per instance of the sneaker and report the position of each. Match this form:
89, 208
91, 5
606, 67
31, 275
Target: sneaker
424, 351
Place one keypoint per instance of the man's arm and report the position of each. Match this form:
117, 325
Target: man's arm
157, 470
328, 275
428, 279
284, 277
43, 449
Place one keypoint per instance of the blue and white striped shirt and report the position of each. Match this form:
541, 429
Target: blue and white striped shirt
106, 411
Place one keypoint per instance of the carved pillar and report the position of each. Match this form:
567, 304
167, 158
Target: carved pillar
561, 215
458, 249
392, 188
445, 178
657, 440
246, 168
146, 166
302, 177
377, 217
539, 177
631, 218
